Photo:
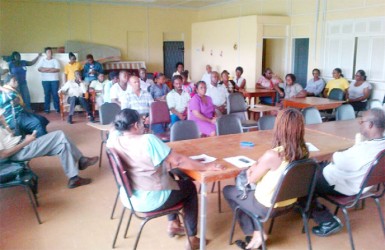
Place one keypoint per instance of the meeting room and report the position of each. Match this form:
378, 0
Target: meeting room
189, 124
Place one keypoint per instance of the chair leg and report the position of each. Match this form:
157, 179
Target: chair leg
306, 227
347, 221
380, 213
219, 198
101, 154
115, 203
271, 225
117, 230
140, 232
213, 187
233, 225
31, 199
128, 225
336, 211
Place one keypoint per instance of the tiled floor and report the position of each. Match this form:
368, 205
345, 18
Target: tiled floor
79, 218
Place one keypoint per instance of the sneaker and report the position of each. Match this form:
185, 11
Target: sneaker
327, 228
77, 181
85, 162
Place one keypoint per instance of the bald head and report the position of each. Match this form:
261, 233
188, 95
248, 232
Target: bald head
135, 83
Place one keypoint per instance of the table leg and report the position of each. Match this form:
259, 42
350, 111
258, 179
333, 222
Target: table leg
203, 216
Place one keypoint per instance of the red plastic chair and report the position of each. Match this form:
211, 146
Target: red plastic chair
375, 176
122, 180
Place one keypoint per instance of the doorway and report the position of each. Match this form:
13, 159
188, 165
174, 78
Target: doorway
274, 55
300, 60
173, 52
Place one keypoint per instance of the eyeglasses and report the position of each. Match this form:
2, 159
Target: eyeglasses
361, 122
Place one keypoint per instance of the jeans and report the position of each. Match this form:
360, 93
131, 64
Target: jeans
27, 122
174, 118
24, 92
157, 128
51, 88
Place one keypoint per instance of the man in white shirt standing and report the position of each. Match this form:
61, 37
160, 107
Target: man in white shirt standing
207, 75
145, 83
218, 94
177, 100
50, 68
75, 90
345, 173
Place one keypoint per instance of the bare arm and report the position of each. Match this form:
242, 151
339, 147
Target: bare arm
184, 162
325, 93
301, 94
30, 63
364, 97
270, 160
11, 151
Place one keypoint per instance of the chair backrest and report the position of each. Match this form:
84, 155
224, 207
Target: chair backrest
236, 103
184, 130
376, 172
345, 112
337, 94
374, 103
311, 115
119, 171
159, 113
298, 180
107, 112
266, 122
228, 124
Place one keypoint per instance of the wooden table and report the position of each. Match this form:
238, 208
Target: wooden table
250, 93
103, 135
229, 145
263, 108
316, 102
346, 129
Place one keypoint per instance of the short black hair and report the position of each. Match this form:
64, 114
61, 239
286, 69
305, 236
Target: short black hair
239, 68
47, 48
292, 77
179, 63
89, 56
175, 78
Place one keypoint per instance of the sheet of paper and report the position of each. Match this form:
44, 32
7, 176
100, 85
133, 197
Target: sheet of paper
203, 158
240, 161
311, 147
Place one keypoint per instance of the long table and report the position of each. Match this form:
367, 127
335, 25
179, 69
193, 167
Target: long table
346, 129
316, 102
250, 93
229, 145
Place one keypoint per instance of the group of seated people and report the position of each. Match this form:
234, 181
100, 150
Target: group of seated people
145, 155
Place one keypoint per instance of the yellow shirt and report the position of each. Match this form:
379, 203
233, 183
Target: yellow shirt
266, 186
340, 83
70, 69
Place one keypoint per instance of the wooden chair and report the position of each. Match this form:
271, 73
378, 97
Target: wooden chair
64, 105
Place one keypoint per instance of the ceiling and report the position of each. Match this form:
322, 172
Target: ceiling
183, 4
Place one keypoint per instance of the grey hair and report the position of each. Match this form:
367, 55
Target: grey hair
377, 117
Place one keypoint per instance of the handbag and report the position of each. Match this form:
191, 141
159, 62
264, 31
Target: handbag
243, 185
10, 171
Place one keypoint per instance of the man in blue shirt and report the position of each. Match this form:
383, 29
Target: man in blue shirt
91, 69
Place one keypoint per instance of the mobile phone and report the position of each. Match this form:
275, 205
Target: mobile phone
244, 160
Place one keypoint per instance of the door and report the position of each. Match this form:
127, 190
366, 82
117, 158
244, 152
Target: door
301, 55
173, 52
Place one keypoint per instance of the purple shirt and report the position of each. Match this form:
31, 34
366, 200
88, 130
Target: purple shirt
207, 109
